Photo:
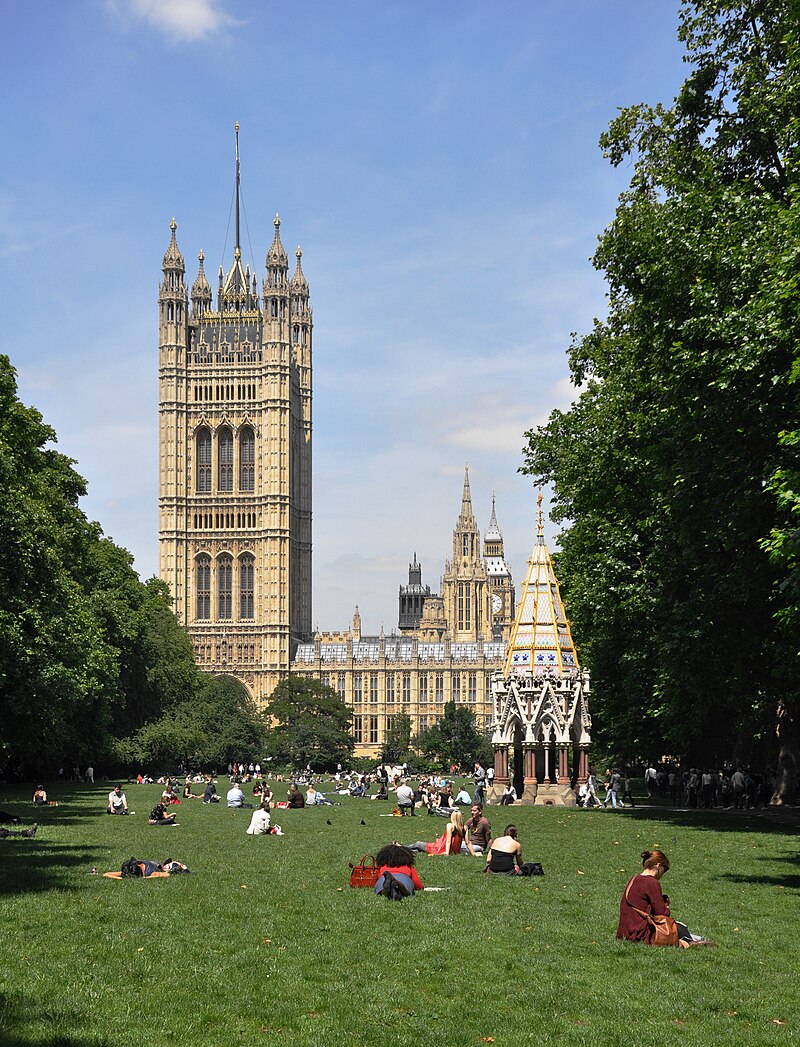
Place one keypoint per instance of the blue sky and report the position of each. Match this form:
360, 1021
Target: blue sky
438, 163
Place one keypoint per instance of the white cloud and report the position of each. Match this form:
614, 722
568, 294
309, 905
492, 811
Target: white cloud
182, 19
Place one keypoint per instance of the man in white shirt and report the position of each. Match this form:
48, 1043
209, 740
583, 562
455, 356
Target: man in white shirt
405, 798
117, 801
236, 797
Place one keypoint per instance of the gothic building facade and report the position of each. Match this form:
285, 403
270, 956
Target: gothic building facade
235, 460
235, 516
447, 647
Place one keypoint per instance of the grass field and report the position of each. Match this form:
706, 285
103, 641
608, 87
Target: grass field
265, 943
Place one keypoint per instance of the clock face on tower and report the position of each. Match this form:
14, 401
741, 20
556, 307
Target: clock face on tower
497, 604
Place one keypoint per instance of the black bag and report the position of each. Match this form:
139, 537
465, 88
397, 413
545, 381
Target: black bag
131, 867
532, 869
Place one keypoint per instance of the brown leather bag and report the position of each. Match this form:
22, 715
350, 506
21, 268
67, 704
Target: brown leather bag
665, 929
365, 874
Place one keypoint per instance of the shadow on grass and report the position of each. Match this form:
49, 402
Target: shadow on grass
30, 867
718, 820
789, 883
19, 1013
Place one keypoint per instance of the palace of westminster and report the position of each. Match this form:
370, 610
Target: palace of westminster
235, 495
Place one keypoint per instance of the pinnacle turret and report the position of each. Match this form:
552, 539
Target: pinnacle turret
276, 255
173, 259
299, 282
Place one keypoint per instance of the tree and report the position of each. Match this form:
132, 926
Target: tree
662, 466
455, 738
208, 732
398, 738
88, 653
311, 724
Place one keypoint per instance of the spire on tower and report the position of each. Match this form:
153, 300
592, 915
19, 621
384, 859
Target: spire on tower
493, 532
237, 245
540, 637
276, 254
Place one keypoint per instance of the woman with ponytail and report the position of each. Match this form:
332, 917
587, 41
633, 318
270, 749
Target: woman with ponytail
644, 901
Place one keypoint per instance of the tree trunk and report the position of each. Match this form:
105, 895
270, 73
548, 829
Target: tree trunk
786, 777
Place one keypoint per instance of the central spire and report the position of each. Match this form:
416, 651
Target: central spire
237, 245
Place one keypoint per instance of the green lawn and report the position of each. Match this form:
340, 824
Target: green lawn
265, 943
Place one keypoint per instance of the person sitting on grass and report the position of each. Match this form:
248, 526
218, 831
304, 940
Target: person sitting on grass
295, 797
40, 795
260, 821
643, 897
397, 877
117, 801
235, 797
450, 841
479, 831
159, 816
505, 853
210, 791
382, 793
509, 795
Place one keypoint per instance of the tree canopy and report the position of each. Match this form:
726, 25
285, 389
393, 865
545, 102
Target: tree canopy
666, 468
88, 653
454, 739
310, 724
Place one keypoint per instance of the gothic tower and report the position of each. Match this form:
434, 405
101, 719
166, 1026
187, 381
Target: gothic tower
465, 588
235, 461
501, 587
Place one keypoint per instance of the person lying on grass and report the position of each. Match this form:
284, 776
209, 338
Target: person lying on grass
505, 853
397, 877
159, 816
450, 841
18, 832
643, 897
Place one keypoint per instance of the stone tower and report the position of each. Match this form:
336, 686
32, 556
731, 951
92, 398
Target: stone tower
501, 586
465, 588
235, 460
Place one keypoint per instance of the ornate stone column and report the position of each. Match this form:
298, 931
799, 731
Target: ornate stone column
530, 784
563, 765
583, 765
500, 774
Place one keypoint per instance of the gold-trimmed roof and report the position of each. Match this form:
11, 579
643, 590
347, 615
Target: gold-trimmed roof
540, 636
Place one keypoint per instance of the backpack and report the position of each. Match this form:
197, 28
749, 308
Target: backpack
532, 869
134, 867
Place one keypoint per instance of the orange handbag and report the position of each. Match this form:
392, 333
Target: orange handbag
365, 874
665, 929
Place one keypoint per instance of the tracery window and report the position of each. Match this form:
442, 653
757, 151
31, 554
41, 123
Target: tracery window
246, 587
225, 447
247, 459
225, 586
203, 586
203, 478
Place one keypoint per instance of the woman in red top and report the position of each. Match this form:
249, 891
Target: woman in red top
399, 862
449, 842
644, 892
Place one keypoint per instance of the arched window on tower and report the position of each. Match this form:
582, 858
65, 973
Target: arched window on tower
225, 447
203, 586
247, 459
203, 479
246, 579
225, 585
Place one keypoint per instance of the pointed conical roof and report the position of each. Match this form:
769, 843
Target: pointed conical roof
201, 290
299, 282
236, 282
173, 259
493, 532
276, 255
540, 637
